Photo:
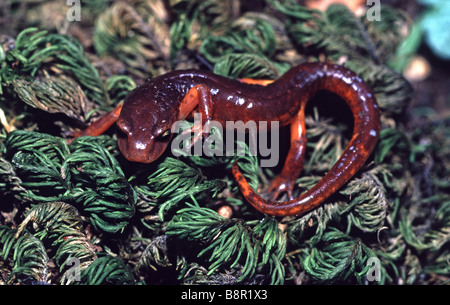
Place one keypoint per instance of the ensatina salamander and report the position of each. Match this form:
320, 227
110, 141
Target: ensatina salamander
149, 111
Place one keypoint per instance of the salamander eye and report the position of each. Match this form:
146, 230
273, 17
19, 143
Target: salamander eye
163, 136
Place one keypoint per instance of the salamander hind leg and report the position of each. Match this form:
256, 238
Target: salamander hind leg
284, 183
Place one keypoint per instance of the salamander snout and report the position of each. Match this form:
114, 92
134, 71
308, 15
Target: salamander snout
139, 144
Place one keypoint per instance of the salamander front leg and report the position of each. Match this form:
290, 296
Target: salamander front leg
100, 126
200, 96
284, 183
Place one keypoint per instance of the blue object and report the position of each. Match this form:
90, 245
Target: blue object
436, 25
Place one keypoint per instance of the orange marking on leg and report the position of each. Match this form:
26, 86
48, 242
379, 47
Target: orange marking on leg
261, 82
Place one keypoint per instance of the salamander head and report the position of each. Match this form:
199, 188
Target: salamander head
145, 124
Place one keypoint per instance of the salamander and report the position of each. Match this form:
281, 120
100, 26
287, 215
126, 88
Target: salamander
144, 122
